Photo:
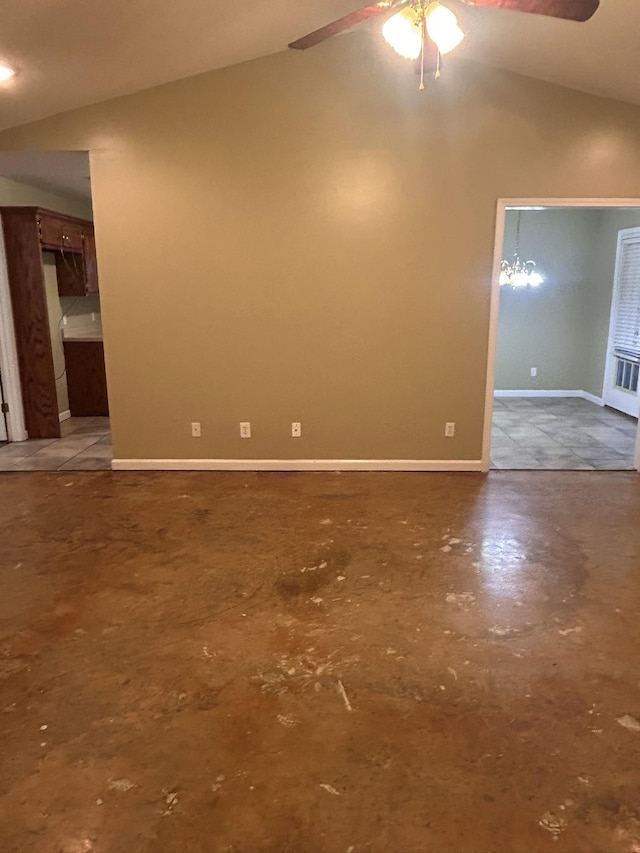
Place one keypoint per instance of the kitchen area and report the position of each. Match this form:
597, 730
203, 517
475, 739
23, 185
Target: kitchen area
53, 281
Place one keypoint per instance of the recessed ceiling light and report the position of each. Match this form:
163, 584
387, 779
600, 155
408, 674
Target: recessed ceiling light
6, 73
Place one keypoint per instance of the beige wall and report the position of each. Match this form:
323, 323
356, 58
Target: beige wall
309, 237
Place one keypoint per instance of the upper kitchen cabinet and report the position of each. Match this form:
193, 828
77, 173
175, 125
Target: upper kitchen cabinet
90, 260
59, 232
77, 271
69, 238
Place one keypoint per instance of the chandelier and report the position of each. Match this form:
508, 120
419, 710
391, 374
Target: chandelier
406, 31
518, 273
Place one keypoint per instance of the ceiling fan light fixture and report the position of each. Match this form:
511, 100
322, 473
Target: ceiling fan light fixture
404, 33
443, 28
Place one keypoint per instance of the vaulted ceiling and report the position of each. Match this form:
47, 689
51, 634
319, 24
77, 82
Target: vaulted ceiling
69, 53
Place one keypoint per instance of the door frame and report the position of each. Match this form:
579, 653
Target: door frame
623, 235
9, 356
502, 206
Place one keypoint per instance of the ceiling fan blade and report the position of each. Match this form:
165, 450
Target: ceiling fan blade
571, 10
348, 22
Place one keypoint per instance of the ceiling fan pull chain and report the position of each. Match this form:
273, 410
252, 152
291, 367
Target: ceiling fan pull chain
422, 59
438, 57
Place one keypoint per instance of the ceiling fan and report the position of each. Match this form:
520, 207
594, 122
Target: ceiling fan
426, 29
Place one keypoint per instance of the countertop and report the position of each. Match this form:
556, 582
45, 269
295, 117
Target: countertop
83, 333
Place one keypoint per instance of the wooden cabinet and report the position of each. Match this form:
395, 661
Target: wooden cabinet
50, 232
27, 232
70, 274
77, 272
86, 379
59, 232
73, 243
90, 261
31, 322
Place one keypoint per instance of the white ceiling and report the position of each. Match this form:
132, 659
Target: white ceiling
72, 52
600, 56
65, 172
75, 52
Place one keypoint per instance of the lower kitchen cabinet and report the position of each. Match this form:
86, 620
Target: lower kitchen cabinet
86, 379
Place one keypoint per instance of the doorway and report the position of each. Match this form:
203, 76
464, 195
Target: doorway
548, 401
51, 351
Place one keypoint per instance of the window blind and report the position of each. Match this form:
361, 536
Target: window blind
626, 338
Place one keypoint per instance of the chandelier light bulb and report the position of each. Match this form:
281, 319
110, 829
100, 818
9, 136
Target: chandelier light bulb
519, 279
443, 29
520, 274
404, 33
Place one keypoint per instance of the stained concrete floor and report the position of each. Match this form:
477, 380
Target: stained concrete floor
275, 663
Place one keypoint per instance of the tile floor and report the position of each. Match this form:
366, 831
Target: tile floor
85, 446
528, 433
561, 434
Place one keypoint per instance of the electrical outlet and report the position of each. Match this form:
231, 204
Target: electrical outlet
196, 432
64, 320
534, 371
296, 430
449, 430
245, 429
93, 316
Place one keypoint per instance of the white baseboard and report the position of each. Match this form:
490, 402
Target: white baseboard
585, 395
297, 465
64, 416
592, 398
537, 393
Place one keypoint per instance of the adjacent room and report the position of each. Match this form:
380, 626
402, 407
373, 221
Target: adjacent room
568, 348
61, 421
275, 598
